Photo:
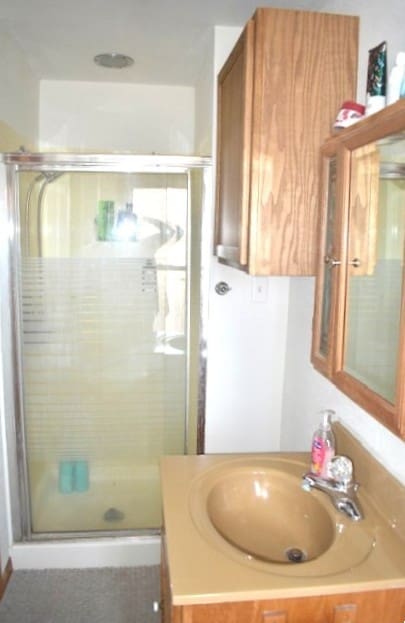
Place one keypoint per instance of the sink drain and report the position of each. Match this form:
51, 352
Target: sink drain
295, 554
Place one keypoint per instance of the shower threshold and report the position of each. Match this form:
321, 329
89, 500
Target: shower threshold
84, 553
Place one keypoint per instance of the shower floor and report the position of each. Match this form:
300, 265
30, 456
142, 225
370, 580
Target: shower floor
119, 497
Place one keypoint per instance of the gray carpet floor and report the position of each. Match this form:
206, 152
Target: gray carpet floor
123, 595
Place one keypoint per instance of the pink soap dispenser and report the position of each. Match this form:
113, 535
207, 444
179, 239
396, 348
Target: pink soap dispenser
323, 445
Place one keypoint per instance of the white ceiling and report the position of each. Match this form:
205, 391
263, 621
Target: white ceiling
167, 38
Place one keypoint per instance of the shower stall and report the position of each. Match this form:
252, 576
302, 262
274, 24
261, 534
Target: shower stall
106, 324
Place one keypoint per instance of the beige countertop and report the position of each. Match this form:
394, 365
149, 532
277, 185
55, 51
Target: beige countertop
205, 570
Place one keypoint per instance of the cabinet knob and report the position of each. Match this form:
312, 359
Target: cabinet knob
356, 262
331, 261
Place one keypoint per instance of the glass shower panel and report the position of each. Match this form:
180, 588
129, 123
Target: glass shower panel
104, 315
375, 272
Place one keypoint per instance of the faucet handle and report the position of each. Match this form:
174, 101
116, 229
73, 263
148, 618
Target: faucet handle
341, 469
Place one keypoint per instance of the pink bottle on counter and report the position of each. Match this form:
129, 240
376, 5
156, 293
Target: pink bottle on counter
323, 446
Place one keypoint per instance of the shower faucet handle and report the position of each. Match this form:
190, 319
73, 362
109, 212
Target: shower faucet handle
222, 288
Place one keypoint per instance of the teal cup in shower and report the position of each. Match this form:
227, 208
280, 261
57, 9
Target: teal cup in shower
65, 482
81, 476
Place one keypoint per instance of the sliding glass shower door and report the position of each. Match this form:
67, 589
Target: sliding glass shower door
103, 297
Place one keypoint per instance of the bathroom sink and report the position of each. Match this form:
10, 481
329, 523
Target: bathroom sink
256, 512
266, 514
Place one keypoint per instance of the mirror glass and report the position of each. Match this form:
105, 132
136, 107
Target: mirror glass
375, 264
327, 256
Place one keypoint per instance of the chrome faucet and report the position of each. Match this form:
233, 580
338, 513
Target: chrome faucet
340, 487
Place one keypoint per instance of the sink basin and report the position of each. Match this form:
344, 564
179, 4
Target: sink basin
266, 514
255, 512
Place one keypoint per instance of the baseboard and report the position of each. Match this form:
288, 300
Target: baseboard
131, 551
5, 576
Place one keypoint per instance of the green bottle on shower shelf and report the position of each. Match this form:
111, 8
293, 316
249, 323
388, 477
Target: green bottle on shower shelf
105, 220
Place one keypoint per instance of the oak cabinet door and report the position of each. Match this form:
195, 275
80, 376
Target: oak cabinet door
278, 96
235, 92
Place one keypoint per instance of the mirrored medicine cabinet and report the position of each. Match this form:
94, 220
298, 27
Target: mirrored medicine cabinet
359, 319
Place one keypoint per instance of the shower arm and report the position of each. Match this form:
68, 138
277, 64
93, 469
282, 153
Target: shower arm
39, 216
47, 178
27, 213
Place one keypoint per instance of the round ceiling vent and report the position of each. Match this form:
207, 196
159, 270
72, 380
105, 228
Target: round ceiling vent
113, 61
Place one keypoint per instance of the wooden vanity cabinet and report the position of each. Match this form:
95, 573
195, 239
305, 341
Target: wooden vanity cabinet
278, 95
377, 606
165, 594
384, 606
359, 320
5, 575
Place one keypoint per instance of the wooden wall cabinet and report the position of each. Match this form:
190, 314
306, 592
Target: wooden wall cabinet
359, 319
278, 95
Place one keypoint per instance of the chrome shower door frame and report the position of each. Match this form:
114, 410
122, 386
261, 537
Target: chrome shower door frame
11, 321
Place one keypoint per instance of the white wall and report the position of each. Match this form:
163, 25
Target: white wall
306, 391
246, 350
204, 97
105, 117
19, 92
379, 21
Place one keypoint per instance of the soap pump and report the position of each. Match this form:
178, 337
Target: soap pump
323, 445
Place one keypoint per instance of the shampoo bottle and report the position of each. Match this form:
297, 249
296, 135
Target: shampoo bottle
396, 79
323, 446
